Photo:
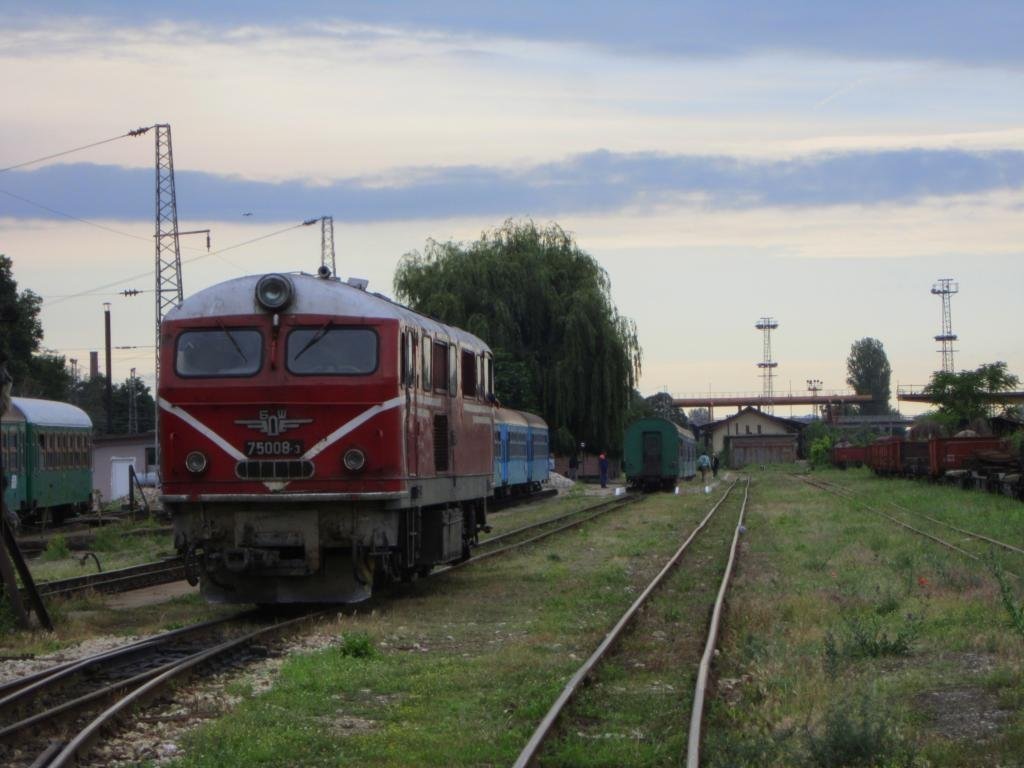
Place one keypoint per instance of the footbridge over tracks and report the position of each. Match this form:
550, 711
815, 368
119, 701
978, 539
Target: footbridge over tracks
829, 402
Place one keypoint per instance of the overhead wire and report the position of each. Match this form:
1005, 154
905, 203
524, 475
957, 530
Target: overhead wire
149, 273
132, 133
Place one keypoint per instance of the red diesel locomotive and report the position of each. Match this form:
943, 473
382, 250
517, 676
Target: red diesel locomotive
317, 438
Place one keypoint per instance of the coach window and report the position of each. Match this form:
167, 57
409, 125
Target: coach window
469, 365
490, 376
440, 366
332, 351
428, 350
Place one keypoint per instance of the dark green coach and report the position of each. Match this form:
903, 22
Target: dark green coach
658, 453
47, 459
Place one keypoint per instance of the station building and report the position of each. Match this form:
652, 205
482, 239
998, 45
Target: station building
754, 437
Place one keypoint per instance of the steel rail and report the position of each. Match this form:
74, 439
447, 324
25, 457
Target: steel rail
704, 670
841, 489
17, 690
78, 745
541, 523
121, 580
509, 502
597, 510
529, 754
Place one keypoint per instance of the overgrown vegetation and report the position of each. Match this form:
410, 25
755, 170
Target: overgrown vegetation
858, 734
966, 396
56, 549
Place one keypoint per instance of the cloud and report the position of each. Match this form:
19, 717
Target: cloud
593, 182
976, 33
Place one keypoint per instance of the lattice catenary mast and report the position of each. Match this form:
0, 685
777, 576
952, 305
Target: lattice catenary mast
168, 250
766, 325
945, 288
327, 244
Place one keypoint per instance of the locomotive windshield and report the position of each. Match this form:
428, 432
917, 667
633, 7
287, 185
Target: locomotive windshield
329, 350
219, 352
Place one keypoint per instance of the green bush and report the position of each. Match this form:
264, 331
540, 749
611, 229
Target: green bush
820, 453
56, 549
358, 646
861, 735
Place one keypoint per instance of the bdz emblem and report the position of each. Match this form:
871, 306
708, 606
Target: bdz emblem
272, 423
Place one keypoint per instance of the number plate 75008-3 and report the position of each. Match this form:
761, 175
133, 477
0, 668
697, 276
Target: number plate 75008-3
274, 448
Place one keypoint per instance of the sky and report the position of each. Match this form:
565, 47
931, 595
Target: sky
820, 163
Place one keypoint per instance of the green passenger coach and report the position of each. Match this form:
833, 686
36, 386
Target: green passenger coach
47, 459
657, 453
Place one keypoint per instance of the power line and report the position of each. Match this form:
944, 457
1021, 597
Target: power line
135, 132
149, 273
74, 218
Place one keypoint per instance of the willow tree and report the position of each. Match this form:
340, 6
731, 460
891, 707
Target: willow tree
561, 348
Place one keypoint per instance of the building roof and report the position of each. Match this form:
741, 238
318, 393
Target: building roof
789, 424
50, 413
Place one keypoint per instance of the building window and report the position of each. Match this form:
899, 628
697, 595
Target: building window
759, 429
748, 429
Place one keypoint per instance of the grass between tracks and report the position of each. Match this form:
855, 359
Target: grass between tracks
852, 642
462, 668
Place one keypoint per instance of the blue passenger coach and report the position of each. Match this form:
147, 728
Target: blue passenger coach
521, 450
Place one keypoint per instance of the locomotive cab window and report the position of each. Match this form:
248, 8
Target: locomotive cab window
428, 351
453, 370
408, 359
332, 351
215, 352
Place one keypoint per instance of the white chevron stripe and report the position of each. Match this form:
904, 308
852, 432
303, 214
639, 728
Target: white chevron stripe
202, 429
347, 427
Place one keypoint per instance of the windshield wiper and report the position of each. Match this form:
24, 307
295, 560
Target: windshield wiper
315, 338
234, 343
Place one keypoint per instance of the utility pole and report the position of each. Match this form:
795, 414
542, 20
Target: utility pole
109, 395
327, 245
133, 415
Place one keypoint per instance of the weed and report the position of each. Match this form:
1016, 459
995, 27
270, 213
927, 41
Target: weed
554, 557
830, 657
56, 549
7, 622
1013, 610
358, 645
888, 604
857, 736
867, 639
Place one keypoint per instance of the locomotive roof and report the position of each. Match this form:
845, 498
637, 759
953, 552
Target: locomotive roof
314, 296
47, 413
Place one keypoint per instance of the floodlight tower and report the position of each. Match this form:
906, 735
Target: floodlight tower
766, 325
327, 245
814, 387
945, 288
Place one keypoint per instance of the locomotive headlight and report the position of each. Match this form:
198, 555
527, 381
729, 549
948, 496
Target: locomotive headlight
274, 292
195, 462
354, 460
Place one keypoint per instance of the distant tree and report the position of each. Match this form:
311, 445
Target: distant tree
545, 308
90, 396
663, 407
699, 416
969, 395
868, 372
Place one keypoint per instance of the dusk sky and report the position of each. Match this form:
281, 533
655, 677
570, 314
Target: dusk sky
820, 162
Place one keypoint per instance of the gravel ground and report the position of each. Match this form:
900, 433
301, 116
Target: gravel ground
14, 668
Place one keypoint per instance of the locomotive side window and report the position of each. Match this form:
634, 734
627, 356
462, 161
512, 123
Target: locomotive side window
440, 366
408, 359
453, 369
469, 365
219, 352
332, 351
428, 350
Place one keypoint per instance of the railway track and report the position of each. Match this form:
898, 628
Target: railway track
86, 697
120, 580
546, 730
52, 718
846, 493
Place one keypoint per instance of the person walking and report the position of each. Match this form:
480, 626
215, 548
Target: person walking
602, 468
704, 465
714, 465
574, 464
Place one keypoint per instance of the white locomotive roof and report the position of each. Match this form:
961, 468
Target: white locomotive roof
313, 296
50, 413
